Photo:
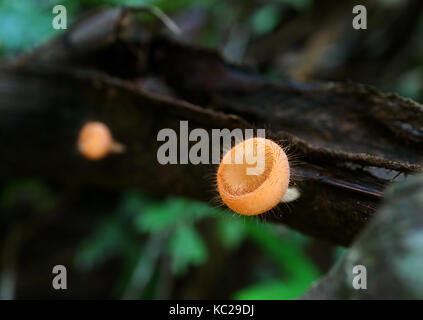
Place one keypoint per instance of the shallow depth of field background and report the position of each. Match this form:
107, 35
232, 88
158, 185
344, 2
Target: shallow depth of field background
148, 248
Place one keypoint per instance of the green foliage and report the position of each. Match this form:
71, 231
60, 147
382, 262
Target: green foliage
273, 290
339, 253
108, 240
30, 192
410, 84
169, 229
24, 24
300, 271
174, 211
265, 19
186, 248
177, 216
231, 231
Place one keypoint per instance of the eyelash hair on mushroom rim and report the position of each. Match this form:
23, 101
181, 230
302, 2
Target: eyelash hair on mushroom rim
255, 194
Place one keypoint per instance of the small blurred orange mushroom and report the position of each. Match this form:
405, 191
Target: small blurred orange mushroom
96, 141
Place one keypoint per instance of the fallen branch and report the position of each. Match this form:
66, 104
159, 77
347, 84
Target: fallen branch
390, 248
350, 140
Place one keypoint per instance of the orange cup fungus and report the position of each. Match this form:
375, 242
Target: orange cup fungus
252, 194
96, 141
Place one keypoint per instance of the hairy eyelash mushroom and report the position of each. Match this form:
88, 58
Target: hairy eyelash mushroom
250, 194
96, 141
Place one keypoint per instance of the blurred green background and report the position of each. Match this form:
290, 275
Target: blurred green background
147, 248
302, 39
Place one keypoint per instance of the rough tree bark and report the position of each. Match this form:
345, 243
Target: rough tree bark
390, 248
349, 140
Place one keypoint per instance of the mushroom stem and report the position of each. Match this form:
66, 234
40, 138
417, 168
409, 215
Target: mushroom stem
117, 147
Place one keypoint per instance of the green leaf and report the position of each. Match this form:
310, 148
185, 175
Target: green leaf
33, 192
299, 271
186, 248
132, 203
25, 24
274, 290
109, 238
265, 19
338, 254
156, 218
161, 216
231, 231
286, 253
410, 84
99, 246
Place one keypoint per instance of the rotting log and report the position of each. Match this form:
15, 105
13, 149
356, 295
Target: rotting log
390, 248
349, 140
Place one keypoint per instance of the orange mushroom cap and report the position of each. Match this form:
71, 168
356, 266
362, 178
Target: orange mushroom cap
252, 194
95, 140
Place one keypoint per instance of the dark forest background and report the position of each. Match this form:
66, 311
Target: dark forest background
136, 245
